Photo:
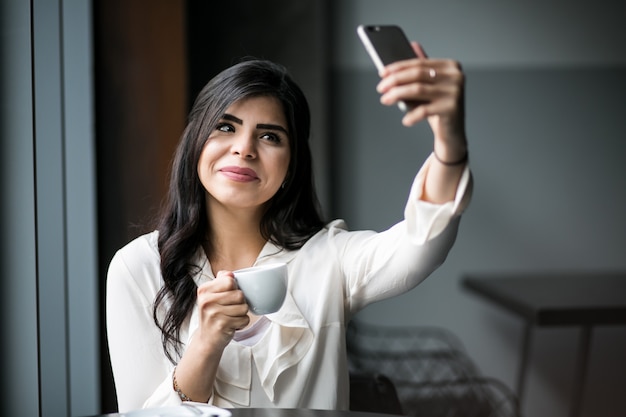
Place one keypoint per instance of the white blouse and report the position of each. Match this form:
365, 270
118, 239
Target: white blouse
300, 359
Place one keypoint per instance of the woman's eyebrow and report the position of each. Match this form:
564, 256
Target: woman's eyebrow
270, 126
232, 118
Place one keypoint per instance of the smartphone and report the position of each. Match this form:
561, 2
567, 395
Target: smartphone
386, 44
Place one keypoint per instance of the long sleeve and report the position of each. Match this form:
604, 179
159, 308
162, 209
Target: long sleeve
141, 371
381, 265
426, 220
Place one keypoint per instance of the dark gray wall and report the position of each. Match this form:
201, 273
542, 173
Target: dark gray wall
545, 103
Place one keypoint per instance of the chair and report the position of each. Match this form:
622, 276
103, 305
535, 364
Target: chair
430, 370
373, 393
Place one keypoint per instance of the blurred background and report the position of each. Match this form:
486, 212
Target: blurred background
94, 95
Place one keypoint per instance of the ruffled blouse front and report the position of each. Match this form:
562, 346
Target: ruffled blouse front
285, 342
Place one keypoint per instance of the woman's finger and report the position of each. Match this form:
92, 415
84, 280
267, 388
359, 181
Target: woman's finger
221, 291
408, 75
439, 108
417, 47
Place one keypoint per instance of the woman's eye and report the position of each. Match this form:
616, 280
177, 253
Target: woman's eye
272, 137
225, 127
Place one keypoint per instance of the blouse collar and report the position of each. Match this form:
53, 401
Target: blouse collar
270, 253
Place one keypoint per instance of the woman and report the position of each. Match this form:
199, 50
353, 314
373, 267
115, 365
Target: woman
242, 194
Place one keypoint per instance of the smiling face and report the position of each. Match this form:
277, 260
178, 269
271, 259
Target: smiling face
246, 158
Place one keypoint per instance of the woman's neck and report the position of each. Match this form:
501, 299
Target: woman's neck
235, 240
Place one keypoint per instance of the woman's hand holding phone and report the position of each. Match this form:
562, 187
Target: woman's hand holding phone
436, 85
431, 89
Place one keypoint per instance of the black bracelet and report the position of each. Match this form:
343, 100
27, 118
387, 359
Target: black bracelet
454, 163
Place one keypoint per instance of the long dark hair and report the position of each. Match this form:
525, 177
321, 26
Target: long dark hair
293, 214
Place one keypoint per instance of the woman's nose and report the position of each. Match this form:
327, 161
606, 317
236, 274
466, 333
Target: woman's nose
244, 146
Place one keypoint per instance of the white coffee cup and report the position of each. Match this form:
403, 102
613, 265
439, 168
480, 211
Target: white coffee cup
263, 286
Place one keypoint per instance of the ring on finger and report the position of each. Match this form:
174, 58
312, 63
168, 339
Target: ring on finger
432, 73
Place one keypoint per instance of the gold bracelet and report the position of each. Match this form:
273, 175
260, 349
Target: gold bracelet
181, 394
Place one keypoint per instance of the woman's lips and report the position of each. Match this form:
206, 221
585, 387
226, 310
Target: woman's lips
239, 174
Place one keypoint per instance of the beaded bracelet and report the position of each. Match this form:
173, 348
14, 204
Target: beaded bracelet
453, 163
182, 395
